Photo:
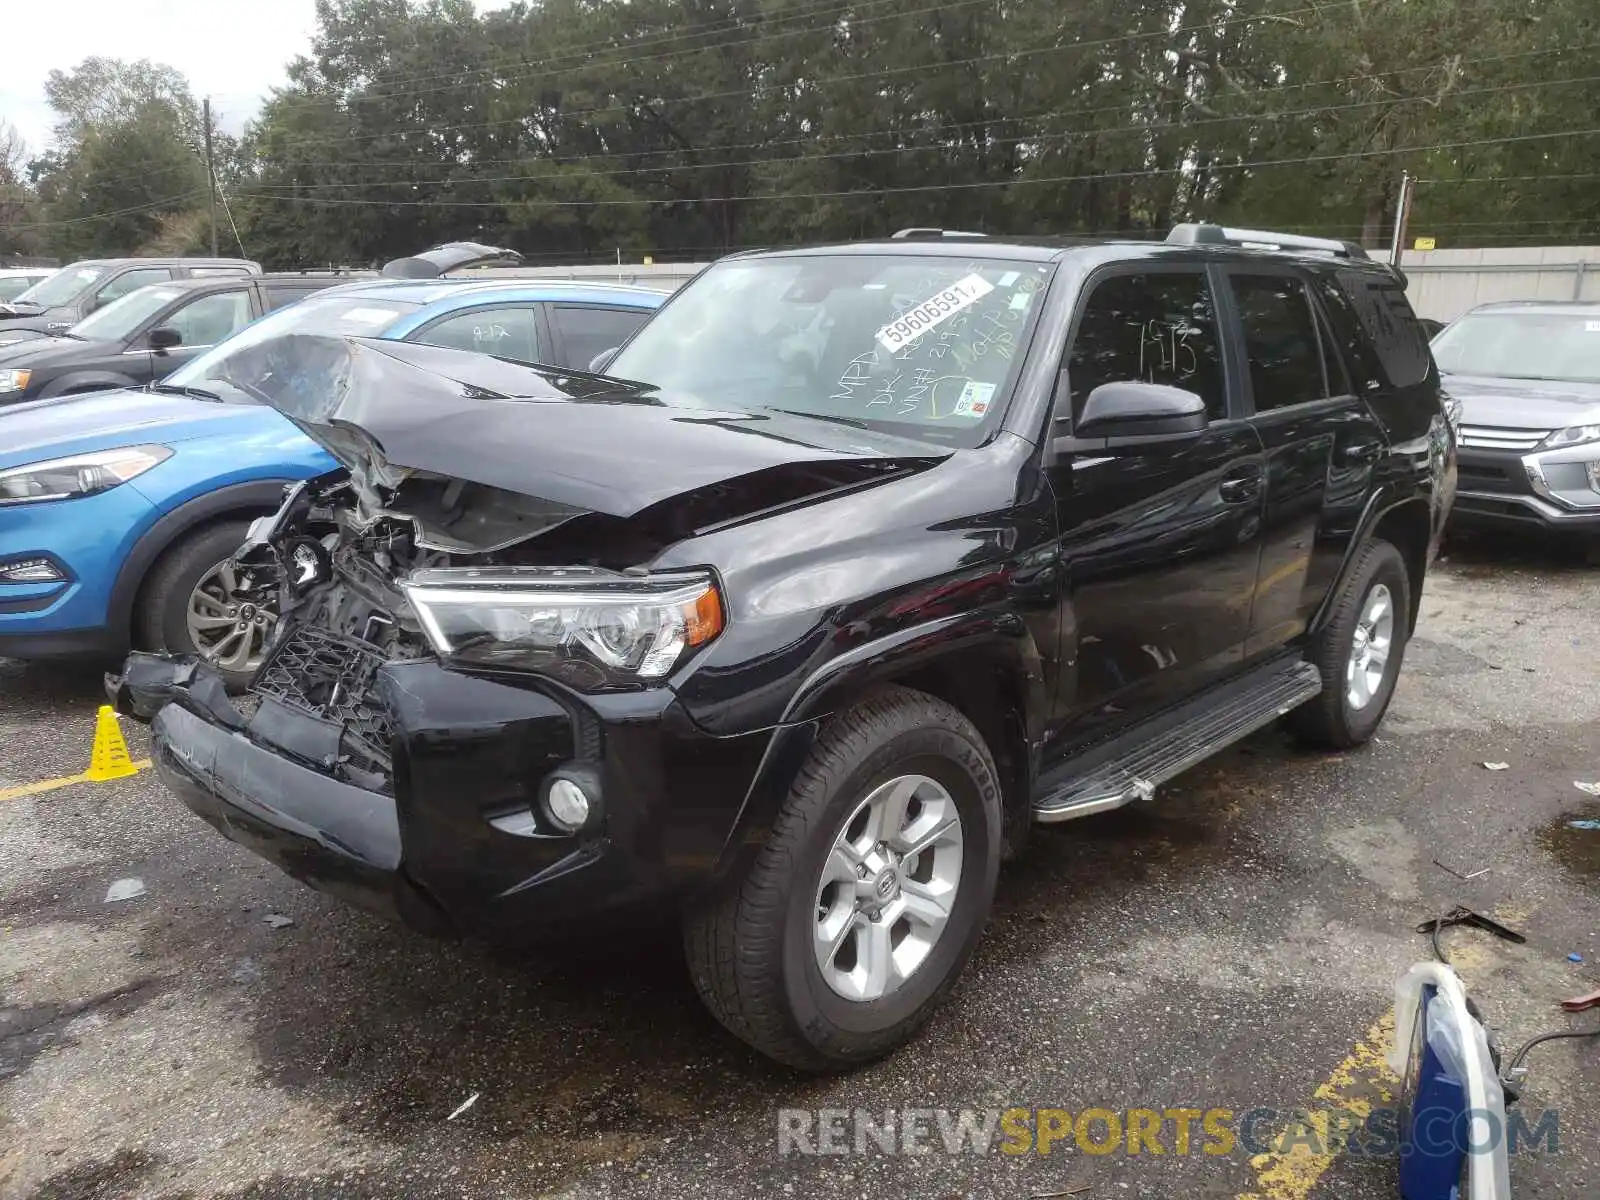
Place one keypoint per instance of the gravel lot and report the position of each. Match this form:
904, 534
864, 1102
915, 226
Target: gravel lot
1227, 946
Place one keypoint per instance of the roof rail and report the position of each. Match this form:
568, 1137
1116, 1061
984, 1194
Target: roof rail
1261, 239
918, 233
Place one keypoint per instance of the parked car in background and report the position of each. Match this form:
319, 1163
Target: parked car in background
1526, 375
891, 550
120, 510
65, 297
146, 334
16, 280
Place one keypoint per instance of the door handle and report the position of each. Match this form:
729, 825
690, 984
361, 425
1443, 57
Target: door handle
1360, 454
1240, 487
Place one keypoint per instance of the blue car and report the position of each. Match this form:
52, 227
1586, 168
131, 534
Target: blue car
120, 511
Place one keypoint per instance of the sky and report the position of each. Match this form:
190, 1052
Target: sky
233, 50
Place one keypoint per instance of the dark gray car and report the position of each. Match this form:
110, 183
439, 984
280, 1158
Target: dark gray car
61, 300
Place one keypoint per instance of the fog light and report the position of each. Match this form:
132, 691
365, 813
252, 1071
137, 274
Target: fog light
31, 570
567, 805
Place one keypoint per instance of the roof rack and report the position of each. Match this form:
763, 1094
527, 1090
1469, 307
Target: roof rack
919, 234
1261, 239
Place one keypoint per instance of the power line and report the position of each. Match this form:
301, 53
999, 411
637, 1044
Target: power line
537, 66
1024, 139
105, 216
835, 80
1021, 180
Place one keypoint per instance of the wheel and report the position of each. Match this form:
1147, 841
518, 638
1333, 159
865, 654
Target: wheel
1359, 652
189, 606
859, 913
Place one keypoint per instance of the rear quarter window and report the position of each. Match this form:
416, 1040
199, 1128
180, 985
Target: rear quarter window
1397, 337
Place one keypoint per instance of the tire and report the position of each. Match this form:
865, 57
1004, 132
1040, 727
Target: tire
161, 612
753, 952
1333, 720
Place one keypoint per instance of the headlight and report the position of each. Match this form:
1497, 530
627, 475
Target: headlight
14, 381
79, 475
1452, 413
590, 629
1572, 436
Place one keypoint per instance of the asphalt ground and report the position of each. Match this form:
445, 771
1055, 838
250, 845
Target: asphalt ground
1232, 945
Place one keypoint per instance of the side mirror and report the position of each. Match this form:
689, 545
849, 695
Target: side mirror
1133, 413
599, 363
165, 338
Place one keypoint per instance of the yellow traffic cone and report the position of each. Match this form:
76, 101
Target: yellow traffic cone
109, 757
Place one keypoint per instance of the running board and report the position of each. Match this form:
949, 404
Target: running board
1128, 767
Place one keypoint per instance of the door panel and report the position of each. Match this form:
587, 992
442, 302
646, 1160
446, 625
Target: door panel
1161, 542
1318, 438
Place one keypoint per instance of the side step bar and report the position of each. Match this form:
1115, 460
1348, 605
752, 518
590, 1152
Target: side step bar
1128, 767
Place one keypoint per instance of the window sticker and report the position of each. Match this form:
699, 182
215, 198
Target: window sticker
1591, 326
1009, 278
934, 311
974, 399
1020, 301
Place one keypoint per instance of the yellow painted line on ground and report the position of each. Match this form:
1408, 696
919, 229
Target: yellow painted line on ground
50, 785
1363, 1077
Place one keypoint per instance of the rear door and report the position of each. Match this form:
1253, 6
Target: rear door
1320, 439
582, 332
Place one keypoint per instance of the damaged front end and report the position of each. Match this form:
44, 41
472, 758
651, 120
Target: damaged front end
466, 713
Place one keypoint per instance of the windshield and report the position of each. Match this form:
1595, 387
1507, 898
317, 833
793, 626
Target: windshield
333, 316
65, 286
920, 346
120, 319
12, 286
1523, 345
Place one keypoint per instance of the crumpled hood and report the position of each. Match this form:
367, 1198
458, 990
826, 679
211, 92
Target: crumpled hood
1524, 403
393, 413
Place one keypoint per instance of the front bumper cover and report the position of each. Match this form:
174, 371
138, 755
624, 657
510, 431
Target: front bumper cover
434, 847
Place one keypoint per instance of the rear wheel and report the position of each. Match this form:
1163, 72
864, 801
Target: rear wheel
190, 605
1359, 652
858, 915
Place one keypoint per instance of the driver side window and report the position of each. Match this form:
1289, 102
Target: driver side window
211, 319
1159, 327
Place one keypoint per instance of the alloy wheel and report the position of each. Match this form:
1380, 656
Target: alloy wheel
227, 631
888, 887
1369, 648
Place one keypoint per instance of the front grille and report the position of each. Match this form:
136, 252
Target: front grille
332, 677
1494, 437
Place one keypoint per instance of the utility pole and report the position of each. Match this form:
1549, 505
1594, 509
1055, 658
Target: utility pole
211, 177
1402, 215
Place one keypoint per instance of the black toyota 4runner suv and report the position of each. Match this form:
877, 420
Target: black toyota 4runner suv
862, 559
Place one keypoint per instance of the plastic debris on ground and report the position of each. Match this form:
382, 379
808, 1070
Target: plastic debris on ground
465, 1104
1574, 957
124, 889
277, 921
1585, 824
1592, 789
1489, 766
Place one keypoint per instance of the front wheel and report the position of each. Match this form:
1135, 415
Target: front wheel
1359, 652
858, 915
190, 605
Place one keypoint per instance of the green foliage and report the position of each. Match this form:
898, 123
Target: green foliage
578, 128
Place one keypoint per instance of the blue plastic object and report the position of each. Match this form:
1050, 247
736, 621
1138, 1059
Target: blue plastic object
1433, 1124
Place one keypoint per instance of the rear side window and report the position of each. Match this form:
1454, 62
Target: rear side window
585, 332
507, 332
1154, 328
130, 281
279, 295
1281, 342
1397, 336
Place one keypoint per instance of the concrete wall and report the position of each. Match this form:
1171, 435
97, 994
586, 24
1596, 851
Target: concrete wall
1445, 283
